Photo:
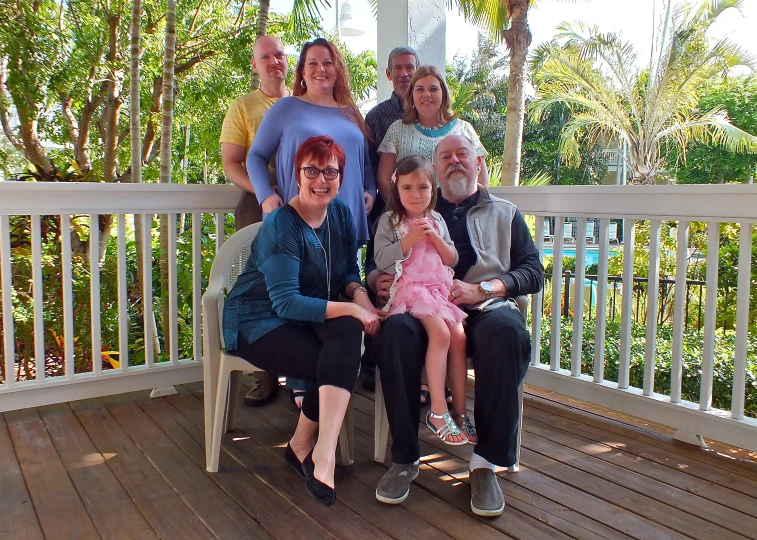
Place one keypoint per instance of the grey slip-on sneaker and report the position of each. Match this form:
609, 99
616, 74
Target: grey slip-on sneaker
486, 495
394, 486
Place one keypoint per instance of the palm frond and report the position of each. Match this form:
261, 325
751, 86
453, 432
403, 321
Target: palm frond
302, 12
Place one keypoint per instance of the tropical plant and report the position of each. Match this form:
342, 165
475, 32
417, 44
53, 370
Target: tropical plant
706, 164
596, 76
507, 20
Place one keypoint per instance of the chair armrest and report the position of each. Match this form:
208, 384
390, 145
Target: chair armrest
523, 302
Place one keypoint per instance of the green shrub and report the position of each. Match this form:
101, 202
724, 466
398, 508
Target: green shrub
691, 360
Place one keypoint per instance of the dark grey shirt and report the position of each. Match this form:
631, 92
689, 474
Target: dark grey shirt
379, 119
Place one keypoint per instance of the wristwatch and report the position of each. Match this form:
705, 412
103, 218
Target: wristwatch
487, 288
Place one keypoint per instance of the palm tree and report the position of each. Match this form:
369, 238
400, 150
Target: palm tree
166, 162
507, 20
595, 75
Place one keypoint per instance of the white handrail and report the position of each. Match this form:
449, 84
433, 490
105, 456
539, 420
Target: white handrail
624, 204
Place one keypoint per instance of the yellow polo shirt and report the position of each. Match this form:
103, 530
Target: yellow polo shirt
242, 121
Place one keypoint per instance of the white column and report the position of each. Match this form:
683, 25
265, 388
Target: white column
420, 24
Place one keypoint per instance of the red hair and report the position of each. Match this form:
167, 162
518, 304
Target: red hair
321, 149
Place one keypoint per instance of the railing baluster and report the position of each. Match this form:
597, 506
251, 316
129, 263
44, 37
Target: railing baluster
197, 285
601, 319
172, 302
679, 312
123, 299
578, 306
742, 321
710, 315
220, 233
554, 361
38, 289
653, 288
94, 294
147, 288
537, 299
68, 295
6, 285
629, 233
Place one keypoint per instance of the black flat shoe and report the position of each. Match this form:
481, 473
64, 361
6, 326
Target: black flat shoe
321, 491
308, 467
316, 488
291, 458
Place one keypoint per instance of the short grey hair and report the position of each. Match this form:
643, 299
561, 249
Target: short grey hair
399, 51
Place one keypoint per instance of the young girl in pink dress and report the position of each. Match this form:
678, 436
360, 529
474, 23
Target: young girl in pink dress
412, 242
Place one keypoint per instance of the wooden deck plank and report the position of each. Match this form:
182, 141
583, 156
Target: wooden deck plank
113, 512
709, 501
700, 459
427, 505
396, 522
560, 517
587, 503
60, 511
667, 506
716, 449
221, 514
168, 515
632, 443
279, 517
441, 483
267, 463
18, 520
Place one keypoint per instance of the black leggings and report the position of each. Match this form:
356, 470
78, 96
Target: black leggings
327, 353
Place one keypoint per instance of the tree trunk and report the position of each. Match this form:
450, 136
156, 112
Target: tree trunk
261, 24
166, 163
518, 39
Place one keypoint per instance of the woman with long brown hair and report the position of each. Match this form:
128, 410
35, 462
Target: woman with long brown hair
322, 104
428, 118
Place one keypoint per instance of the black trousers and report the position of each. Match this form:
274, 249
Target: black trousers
327, 353
500, 347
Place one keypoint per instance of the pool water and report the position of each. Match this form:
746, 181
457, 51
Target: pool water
592, 255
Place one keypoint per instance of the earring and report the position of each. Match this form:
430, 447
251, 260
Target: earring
303, 85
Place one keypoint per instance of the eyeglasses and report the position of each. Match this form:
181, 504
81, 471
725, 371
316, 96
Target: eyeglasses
313, 172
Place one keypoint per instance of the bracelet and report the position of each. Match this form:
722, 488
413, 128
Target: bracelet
358, 289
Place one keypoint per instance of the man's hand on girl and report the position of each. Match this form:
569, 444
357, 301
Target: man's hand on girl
465, 293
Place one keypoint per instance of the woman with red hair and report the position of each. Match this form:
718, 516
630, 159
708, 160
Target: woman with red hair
284, 315
322, 104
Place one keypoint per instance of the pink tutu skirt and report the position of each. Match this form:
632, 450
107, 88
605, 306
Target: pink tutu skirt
421, 287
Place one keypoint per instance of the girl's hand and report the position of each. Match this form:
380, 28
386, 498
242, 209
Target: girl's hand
418, 231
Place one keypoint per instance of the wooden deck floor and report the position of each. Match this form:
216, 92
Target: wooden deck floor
128, 466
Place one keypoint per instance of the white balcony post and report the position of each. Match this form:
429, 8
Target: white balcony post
420, 24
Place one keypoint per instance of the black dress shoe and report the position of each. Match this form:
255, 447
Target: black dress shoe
316, 488
291, 458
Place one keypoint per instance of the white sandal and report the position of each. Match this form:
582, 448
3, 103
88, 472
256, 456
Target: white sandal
448, 429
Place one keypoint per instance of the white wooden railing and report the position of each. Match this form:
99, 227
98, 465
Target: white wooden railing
684, 204
142, 201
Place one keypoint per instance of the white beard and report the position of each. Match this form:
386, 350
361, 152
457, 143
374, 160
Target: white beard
457, 188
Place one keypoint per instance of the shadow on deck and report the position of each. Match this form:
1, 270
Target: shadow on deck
128, 466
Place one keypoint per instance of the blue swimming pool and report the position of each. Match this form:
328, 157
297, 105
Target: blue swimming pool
592, 255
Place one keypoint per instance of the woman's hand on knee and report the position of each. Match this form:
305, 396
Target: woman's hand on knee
370, 318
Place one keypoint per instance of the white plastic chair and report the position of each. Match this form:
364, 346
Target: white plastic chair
567, 232
381, 430
548, 237
590, 232
222, 371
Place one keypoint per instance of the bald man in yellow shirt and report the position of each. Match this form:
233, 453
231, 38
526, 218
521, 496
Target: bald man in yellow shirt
240, 125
